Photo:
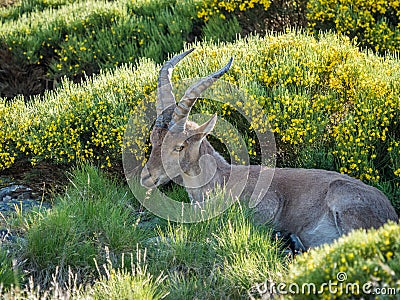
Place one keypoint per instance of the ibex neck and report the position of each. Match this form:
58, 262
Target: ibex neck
222, 164
216, 171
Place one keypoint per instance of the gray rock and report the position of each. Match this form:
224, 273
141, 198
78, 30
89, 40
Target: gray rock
13, 189
19, 195
5, 235
7, 198
16, 196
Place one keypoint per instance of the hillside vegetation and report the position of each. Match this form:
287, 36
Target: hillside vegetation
330, 106
98, 244
331, 100
42, 41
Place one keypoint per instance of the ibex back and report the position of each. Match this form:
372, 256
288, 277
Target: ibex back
316, 205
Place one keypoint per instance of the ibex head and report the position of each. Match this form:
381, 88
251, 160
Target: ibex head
175, 140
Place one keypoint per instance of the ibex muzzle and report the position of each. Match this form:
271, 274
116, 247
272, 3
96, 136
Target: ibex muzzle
316, 205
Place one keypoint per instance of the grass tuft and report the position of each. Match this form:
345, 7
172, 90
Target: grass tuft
10, 275
125, 283
94, 213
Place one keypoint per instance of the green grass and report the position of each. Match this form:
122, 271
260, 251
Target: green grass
218, 258
96, 234
106, 251
128, 282
94, 213
131, 281
10, 275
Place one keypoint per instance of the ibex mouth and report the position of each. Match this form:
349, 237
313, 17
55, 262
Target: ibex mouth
150, 183
147, 181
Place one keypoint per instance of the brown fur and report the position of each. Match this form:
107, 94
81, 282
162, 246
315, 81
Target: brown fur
316, 205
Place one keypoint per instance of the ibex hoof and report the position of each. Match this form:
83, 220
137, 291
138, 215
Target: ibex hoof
291, 243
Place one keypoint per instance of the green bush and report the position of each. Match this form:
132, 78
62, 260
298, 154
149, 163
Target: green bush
37, 36
254, 16
211, 8
373, 24
27, 6
370, 259
75, 123
75, 37
78, 38
86, 36
219, 29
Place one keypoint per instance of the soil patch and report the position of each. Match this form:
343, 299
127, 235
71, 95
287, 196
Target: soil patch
18, 78
44, 179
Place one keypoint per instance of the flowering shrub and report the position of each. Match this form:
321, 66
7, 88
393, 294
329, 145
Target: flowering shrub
375, 24
209, 8
329, 105
76, 123
79, 38
42, 36
86, 36
23, 7
355, 259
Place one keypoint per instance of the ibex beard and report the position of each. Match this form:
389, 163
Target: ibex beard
318, 206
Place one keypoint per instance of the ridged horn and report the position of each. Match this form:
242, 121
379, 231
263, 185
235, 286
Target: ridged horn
165, 96
182, 110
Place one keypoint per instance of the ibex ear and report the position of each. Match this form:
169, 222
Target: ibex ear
206, 128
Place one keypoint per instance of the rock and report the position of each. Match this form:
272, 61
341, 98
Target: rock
8, 239
14, 190
7, 198
18, 195
5, 235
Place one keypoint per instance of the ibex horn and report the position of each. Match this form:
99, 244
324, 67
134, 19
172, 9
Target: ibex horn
181, 112
165, 97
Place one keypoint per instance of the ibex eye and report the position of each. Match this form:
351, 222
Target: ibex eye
179, 148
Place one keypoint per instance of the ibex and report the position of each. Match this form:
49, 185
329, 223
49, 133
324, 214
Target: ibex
316, 205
